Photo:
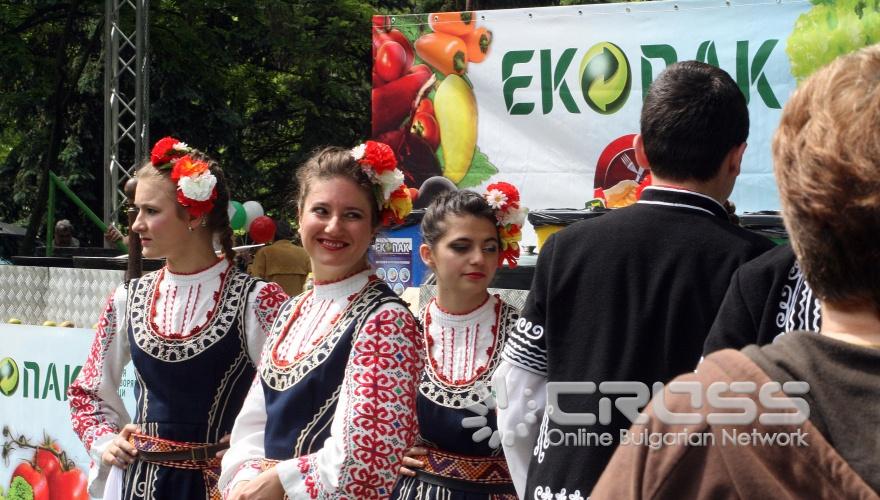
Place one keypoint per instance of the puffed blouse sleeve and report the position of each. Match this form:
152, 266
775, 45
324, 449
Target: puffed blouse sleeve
264, 302
375, 418
96, 409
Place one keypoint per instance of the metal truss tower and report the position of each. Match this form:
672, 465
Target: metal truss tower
126, 97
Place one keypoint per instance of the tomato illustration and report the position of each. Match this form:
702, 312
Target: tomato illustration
404, 42
34, 478
390, 61
47, 462
425, 126
69, 485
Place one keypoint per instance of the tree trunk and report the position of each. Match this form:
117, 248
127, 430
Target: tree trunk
58, 105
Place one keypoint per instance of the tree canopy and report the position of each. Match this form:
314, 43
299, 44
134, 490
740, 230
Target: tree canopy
256, 84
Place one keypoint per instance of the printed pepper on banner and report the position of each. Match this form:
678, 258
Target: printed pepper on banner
423, 105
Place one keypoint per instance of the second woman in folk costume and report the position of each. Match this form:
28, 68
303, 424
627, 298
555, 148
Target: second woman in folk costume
194, 331
459, 456
332, 410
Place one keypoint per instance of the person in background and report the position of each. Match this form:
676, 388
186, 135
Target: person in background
465, 327
333, 407
64, 234
193, 330
630, 295
826, 156
768, 296
282, 262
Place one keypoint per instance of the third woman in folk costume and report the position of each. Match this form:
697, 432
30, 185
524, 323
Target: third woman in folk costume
459, 456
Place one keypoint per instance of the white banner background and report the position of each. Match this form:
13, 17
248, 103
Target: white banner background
30, 416
552, 157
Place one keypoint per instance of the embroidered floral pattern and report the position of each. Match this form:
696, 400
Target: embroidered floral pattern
88, 422
452, 395
384, 365
230, 295
798, 308
268, 304
280, 376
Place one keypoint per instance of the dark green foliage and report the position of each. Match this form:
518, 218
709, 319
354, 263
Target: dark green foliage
258, 84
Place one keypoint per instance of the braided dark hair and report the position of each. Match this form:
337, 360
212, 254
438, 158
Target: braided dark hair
453, 203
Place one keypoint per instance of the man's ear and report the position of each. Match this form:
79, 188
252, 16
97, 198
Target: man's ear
639, 146
735, 159
426, 255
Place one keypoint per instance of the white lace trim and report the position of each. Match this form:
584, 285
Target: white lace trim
185, 348
185, 300
478, 391
460, 343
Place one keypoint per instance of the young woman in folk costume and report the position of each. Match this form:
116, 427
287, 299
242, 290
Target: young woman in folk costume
466, 237
193, 329
332, 410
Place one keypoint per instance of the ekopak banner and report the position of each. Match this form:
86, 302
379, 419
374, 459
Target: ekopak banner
37, 364
549, 98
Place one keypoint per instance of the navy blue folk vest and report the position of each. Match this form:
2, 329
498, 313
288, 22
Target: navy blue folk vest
301, 398
191, 389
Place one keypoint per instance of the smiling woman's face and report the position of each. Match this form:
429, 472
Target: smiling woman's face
336, 227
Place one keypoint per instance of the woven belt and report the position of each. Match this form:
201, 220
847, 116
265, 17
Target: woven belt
177, 453
196, 454
473, 474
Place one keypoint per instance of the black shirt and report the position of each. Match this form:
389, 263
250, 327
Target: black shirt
628, 296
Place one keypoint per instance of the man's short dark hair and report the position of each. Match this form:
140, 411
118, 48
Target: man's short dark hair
693, 115
283, 231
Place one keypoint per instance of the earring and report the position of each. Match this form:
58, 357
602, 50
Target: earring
190, 228
204, 223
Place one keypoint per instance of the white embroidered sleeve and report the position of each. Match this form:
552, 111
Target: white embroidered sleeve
521, 396
96, 410
375, 418
264, 302
243, 460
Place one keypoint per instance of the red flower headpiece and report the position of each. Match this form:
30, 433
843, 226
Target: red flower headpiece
196, 185
509, 216
378, 161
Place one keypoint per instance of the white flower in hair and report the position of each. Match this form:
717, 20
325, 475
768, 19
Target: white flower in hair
181, 146
515, 216
497, 199
390, 181
358, 152
198, 187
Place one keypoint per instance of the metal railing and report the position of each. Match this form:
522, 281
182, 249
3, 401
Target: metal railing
57, 184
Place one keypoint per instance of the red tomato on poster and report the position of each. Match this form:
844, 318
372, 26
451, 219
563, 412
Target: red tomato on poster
425, 126
390, 61
34, 478
69, 485
47, 462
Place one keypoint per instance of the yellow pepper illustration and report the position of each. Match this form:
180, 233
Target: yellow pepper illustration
456, 111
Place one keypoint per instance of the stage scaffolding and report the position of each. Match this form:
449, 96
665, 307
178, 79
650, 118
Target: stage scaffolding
126, 97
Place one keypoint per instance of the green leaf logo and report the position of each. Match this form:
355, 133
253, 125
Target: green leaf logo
605, 78
8, 376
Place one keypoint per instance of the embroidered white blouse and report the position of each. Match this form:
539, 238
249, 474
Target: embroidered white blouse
355, 461
181, 306
461, 346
